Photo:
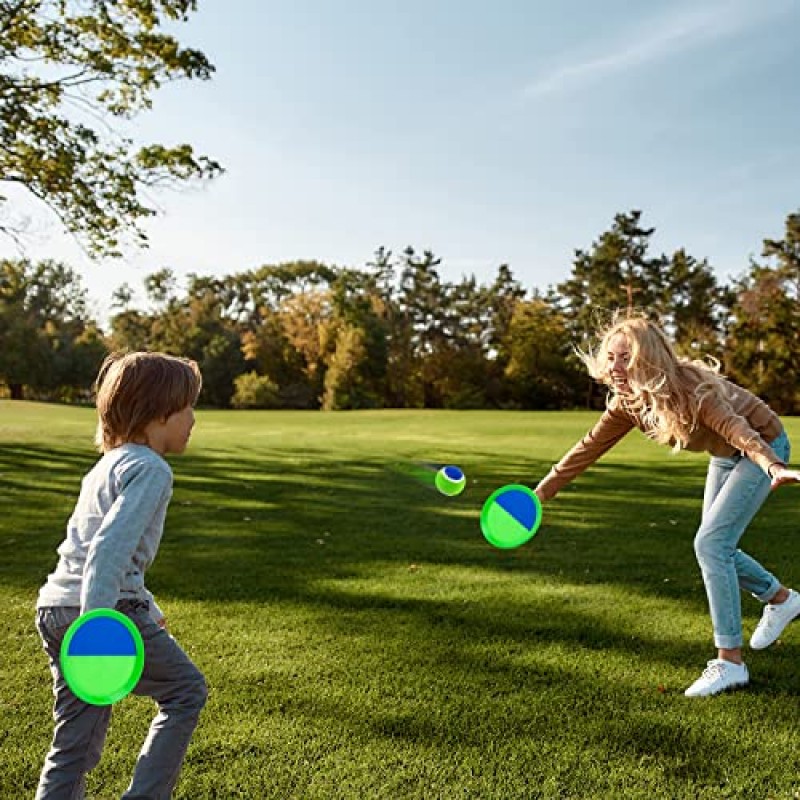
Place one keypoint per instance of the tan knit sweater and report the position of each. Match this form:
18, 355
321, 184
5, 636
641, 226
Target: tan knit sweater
743, 423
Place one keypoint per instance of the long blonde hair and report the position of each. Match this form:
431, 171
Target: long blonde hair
666, 390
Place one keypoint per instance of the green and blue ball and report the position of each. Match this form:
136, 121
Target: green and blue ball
450, 481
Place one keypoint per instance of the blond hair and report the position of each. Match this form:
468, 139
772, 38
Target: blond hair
666, 390
133, 389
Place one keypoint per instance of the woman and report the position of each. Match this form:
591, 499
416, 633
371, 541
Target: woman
688, 405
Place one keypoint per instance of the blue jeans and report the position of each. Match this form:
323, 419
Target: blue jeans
735, 489
169, 677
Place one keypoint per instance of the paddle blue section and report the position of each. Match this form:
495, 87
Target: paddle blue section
454, 473
519, 505
102, 636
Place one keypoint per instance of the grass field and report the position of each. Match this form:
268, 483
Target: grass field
362, 640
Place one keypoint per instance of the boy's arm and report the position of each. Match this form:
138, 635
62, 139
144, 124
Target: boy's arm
143, 493
610, 428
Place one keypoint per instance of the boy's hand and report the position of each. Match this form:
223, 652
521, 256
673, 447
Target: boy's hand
162, 623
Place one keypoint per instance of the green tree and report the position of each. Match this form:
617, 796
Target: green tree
308, 324
344, 383
280, 326
195, 325
761, 350
498, 302
272, 284
540, 368
419, 331
401, 386
357, 367
616, 273
218, 353
49, 343
131, 329
77, 349
24, 357
65, 68
456, 364
785, 255
268, 352
190, 323
440, 344
255, 391
692, 305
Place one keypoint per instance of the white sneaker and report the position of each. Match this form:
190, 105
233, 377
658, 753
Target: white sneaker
774, 619
717, 677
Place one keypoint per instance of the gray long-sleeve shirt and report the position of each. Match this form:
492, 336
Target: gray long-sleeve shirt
114, 532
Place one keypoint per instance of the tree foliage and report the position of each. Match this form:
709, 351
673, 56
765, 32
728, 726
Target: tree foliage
66, 68
397, 334
693, 305
762, 349
616, 272
49, 344
540, 367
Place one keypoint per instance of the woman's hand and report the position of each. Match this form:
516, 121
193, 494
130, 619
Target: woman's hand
781, 474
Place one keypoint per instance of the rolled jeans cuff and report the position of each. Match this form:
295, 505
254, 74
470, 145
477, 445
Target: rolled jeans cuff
765, 597
728, 642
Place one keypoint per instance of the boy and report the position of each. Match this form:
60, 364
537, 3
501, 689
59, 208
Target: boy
145, 410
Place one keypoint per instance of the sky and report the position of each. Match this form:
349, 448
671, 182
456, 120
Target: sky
488, 131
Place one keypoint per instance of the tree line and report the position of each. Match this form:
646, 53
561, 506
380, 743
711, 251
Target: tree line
307, 335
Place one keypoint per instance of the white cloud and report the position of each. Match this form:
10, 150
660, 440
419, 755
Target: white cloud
657, 39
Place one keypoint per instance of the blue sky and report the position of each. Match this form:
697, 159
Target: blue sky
501, 131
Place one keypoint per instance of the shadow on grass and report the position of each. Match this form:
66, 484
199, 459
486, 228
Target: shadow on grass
242, 523
303, 529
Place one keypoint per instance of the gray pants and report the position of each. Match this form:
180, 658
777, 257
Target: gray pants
169, 677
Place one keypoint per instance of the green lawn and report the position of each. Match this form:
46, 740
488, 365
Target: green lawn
362, 640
